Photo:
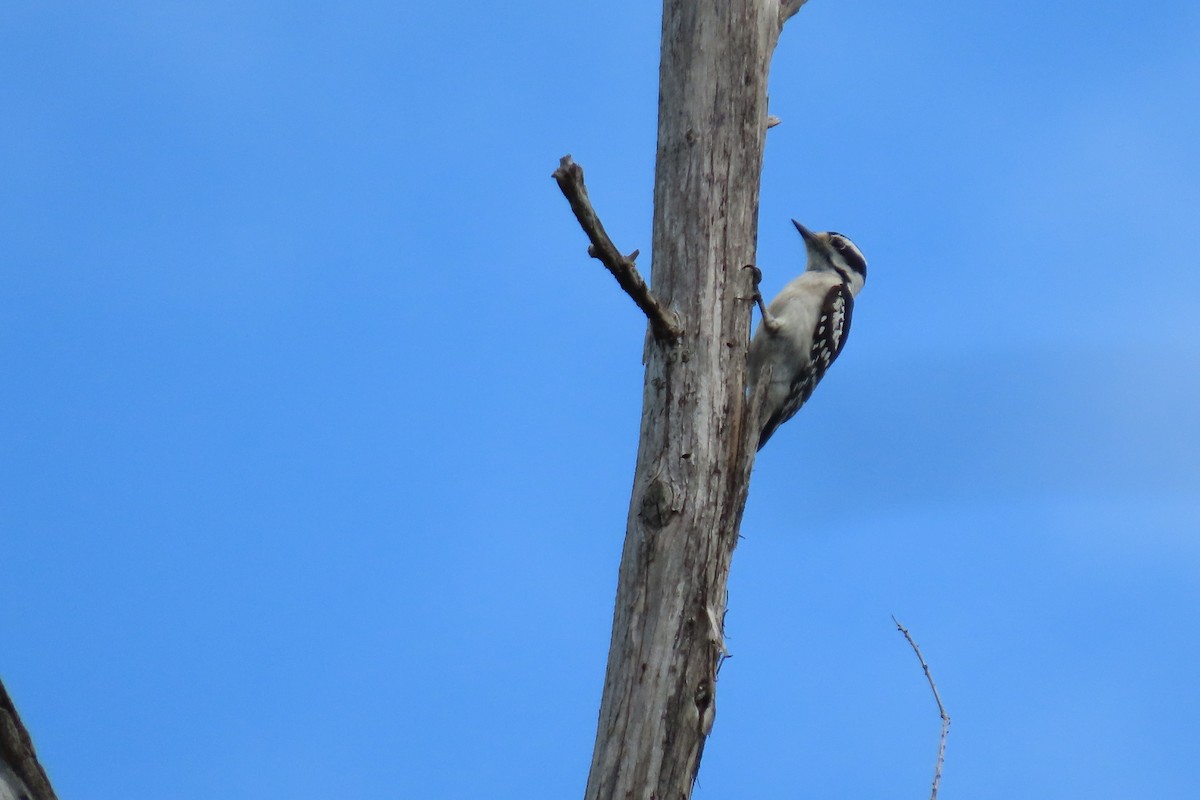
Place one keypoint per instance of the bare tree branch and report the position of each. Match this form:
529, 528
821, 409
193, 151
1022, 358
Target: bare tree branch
941, 756
570, 179
788, 9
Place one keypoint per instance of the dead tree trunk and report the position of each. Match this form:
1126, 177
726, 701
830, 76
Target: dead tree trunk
696, 447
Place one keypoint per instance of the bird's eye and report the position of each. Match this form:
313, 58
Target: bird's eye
839, 243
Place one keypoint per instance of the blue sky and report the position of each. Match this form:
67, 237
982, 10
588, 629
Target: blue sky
318, 424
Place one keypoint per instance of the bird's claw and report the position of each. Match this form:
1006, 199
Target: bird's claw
756, 275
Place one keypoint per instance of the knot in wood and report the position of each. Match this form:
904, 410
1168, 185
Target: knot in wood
705, 707
656, 507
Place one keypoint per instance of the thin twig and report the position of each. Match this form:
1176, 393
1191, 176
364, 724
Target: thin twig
16, 750
941, 757
570, 179
788, 9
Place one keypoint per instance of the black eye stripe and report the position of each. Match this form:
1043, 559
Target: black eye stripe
847, 250
854, 260
839, 242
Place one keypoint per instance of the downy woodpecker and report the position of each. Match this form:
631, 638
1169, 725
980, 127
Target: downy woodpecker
805, 328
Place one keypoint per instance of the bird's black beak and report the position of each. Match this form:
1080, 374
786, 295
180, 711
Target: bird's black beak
808, 235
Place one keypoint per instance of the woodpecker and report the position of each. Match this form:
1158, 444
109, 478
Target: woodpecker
804, 328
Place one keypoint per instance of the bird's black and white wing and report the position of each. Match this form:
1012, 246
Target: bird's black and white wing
829, 337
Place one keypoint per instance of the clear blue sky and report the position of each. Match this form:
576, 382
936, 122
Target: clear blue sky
318, 424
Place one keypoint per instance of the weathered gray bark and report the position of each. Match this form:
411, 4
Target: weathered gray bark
696, 449
21, 776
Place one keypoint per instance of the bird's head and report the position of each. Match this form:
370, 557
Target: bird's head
834, 252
